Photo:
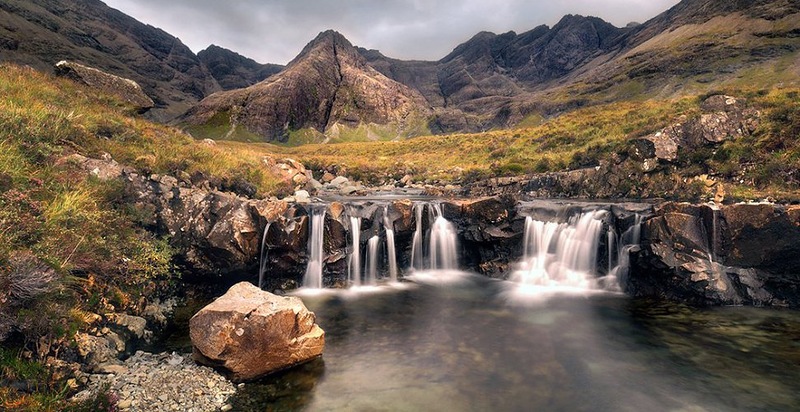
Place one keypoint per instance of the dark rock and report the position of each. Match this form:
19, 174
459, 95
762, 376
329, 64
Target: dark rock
251, 333
740, 254
234, 71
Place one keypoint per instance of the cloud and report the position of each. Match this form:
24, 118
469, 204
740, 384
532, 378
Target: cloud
274, 31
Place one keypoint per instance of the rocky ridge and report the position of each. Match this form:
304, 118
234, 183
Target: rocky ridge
234, 71
326, 87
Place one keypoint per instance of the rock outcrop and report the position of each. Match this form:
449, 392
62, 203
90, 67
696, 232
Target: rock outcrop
128, 90
251, 333
736, 254
326, 87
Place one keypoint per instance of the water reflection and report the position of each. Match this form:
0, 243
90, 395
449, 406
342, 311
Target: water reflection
464, 346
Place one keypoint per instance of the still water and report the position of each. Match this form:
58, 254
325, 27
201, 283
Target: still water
461, 342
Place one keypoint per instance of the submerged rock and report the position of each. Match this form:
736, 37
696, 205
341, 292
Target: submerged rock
251, 333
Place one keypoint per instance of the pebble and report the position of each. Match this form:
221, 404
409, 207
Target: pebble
158, 382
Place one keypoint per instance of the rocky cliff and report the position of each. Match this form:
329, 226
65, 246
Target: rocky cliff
327, 86
234, 71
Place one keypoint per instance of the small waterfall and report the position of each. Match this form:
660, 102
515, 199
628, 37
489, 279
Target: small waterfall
629, 239
440, 239
262, 257
561, 254
442, 246
417, 262
355, 253
390, 249
371, 264
313, 277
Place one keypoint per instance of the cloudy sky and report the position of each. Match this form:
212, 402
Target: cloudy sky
274, 31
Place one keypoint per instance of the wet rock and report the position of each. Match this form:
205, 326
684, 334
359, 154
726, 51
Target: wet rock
128, 90
739, 254
251, 333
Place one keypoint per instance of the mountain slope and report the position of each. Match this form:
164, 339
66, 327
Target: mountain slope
327, 87
234, 71
40, 33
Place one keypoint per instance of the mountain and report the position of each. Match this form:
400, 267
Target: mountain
234, 71
496, 80
328, 88
41, 33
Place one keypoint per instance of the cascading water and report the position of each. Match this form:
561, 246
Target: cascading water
629, 239
417, 260
441, 241
561, 254
262, 257
443, 254
355, 252
390, 249
313, 277
371, 264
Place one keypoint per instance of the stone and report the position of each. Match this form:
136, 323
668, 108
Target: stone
327, 177
339, 181
133, 324
128, 90
302, 196
95, 350
251, 333
348, 190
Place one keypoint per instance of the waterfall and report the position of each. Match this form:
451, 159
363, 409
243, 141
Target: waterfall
262, 257
417, 262
561, 254
371, 264
313, 277
629, 239
441, 240
390, 249
442, 246
355, 253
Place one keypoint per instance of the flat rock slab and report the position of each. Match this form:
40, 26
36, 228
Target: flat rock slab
251, 333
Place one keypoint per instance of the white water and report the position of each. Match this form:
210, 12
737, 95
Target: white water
371, 264
390, 249
262, 257
417, 262
627, 241
313, 277
355, 253
561, 255
443, 252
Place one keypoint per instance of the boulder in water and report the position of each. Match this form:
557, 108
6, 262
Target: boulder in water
251, 333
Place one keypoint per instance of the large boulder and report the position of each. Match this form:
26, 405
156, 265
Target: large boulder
251, 333
127, 90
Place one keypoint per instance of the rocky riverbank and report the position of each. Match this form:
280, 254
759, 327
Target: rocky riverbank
148, 382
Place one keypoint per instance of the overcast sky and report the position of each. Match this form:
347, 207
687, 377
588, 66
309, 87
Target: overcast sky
274, 31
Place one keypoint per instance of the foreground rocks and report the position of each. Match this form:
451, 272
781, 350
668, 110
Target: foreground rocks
251, 333
149, 382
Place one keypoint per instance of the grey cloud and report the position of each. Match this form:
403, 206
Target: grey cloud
274, 31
